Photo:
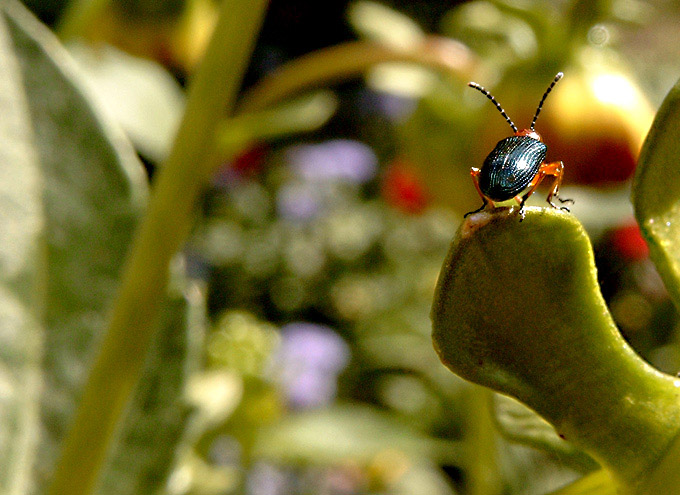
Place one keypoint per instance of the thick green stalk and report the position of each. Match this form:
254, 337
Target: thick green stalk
163, 230
482, 475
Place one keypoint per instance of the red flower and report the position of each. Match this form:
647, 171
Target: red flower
628, 243
403, 189
249, 161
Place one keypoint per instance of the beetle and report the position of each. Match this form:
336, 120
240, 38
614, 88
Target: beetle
517, 163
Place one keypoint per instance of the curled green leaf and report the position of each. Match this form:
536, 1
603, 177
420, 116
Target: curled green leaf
656, 192
656, 198
518, 309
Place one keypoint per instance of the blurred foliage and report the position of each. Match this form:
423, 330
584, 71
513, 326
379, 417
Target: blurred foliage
296, 355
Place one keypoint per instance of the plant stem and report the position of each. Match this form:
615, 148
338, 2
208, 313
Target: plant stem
352, 59
164, 228
481, 468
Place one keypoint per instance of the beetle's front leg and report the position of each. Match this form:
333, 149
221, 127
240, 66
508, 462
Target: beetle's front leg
533, 185
474, 173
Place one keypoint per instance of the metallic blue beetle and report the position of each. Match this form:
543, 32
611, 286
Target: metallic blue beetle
517, 163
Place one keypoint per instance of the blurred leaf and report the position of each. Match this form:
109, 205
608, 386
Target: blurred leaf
377, 22
22, 288
518, 423
129, 335
360, 433
656, 192
139, 94
528, 470
597, 483
500, 34
382, 342
71, 191
306, 113
141, 460
92, 191
422, 479
349, 60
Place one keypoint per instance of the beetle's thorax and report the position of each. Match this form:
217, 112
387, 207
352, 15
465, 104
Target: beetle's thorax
529, 133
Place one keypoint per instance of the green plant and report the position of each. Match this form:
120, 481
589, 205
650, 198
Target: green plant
518, 309
102, 334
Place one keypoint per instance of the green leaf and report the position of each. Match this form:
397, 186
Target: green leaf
164, 228
346, 432
305, 113
375, 21
518, 423
656, 198
518, 309
70, 194
138, 94
597, 483
142, 457
656, 192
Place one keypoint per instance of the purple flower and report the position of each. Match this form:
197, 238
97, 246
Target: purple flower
337, 159
308, 362
267, 479
298, 202
395, 107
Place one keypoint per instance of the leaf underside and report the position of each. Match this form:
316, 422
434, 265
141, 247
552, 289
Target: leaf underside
71, 192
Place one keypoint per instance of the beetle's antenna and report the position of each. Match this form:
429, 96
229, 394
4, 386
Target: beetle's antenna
545, 95
493, 100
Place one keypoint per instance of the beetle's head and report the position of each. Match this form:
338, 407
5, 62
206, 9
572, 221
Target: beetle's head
530, 133
523, 132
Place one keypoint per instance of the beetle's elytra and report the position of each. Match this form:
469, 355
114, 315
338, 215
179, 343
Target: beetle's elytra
511, 166
517, 163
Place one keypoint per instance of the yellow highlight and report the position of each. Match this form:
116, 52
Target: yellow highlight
615, 89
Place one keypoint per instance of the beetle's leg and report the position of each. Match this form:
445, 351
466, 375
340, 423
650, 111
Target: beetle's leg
555, 169
477, 210
474, 173
533, 185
